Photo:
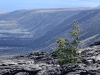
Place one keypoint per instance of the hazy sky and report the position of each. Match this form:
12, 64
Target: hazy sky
10, 5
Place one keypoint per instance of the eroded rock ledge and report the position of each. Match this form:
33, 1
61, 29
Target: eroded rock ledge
42, 63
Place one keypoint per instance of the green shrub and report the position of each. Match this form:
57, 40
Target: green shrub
67, 50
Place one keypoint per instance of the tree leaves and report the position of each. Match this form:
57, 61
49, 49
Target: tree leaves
67, 51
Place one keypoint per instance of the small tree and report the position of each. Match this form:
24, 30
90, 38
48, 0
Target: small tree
67, 50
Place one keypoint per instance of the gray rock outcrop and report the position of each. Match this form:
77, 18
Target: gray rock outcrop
41, 63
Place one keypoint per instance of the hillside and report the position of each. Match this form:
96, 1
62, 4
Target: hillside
98, 7
23, 31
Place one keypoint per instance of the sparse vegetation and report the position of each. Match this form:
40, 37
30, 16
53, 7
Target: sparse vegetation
67, 50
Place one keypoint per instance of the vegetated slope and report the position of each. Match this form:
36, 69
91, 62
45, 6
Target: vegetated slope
39, 29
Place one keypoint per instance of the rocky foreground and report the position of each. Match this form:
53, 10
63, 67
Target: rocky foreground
41, 63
